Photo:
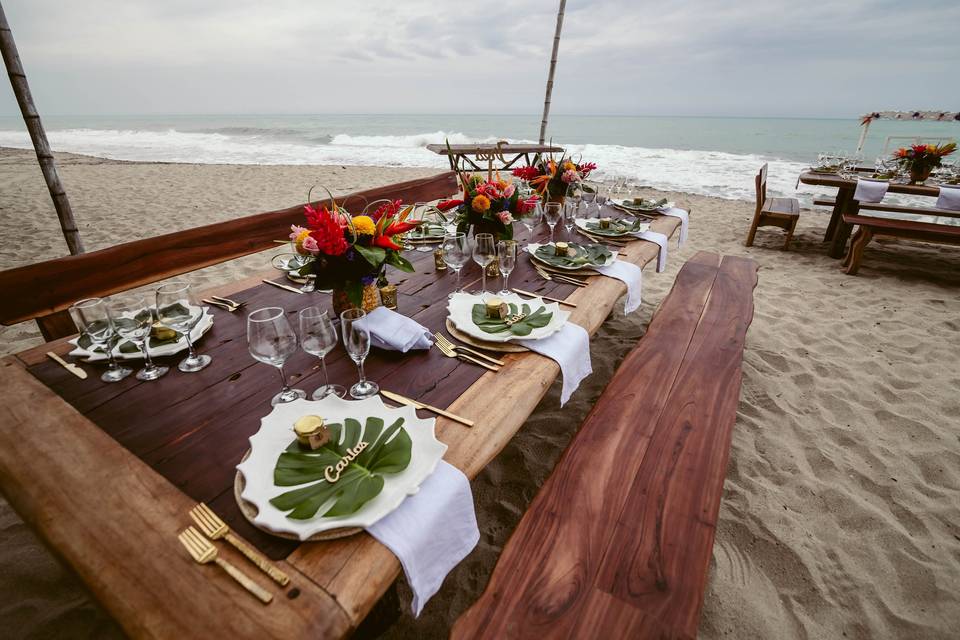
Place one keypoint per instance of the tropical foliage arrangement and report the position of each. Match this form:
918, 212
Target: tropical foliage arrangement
921, 159
551, 178
521, 321
386, 452
488, 206
578, 255
351, 251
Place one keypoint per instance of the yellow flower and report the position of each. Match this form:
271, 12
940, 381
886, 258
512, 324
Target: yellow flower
567, 166
932, 148
303, 235
364, 225
481, 203
501, 184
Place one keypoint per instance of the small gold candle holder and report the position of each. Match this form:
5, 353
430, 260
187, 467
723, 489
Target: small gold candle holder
388, 296
497, 309
561, 248
311, 432
438, 259
493, 269
605, 223
161, 332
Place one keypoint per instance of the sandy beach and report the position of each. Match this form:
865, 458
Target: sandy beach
841, 507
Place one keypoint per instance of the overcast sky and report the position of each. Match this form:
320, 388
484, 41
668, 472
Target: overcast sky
671, 57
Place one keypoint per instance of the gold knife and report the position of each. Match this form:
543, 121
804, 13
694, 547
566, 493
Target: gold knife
69, 366
283, 286
538, 295
419, 405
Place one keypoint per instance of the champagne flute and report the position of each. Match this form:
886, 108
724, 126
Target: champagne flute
356, 338
318, 337
92, 317
455, 255
570, 209
484, 251
178, 309
552, 213
134, 317
507, 254
272, 340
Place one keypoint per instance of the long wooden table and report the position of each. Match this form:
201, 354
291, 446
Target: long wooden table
503, 156
838, 232
106, 473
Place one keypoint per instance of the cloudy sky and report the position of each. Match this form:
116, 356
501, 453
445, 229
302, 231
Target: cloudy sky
677, 57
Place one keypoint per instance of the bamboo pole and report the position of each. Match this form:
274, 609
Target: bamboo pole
18, 80
553, 66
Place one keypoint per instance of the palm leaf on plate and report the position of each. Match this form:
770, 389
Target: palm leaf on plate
530, 321
583, 255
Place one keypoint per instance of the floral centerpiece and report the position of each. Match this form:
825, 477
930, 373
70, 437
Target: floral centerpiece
350, 252
488, 206
551, 178
921, 159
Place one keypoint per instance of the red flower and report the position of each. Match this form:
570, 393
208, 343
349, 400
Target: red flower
527, 173
446, 205
387, 208
386, 242
327, 230
586, 167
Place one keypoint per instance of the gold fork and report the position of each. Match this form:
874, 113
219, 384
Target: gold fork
559, 278
215, 528
450, 353
442, 339
203, 551
232, 303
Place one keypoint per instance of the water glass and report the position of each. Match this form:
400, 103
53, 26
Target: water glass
571, 209
455, 254
552, 213
484, 251
507, 255
356, 339
318, 337
133, 317
177, 308
93, 319
272, 340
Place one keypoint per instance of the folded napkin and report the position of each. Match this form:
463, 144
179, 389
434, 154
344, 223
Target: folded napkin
632, 276
394, 331
870, 190
570, 347
431, 531
949, 198
684, 216
661, 240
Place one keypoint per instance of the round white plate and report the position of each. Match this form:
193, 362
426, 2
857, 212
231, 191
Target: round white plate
582, 223
460, 312
627, 205
532, 248
276, 434
203, 325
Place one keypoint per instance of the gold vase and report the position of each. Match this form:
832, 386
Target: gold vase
370, 301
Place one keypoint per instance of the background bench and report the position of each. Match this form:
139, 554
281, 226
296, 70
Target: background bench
618, 540
907, 223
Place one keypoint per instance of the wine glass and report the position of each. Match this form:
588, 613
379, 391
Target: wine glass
552, 213
356, 338
455, 254
93, 319
272, 340
318, 337
133, 318
570, 211
507, 255
178, 309
532, 216
291, 263
423, 212
484, 251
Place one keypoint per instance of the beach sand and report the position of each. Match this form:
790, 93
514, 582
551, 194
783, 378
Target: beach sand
841, 508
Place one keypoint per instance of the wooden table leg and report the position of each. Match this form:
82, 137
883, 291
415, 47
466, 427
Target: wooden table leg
841, 230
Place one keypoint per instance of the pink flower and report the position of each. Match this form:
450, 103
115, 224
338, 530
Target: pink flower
505, 217
508, 192
570, 175
296, 230
310, 245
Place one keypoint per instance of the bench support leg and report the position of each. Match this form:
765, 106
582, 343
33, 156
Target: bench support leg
855, 253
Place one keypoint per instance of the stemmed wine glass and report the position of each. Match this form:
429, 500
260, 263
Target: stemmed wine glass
318, 337
484, 251
178, 309
356, 338
272, 340
507, 255
532, 216
92, 317
134, 318
552, 212
422, 212
291, 263
455, 254
570, 211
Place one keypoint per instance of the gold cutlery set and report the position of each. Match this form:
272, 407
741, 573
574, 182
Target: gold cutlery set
201, 548
556, 277
451, 350
396, 397
69, 366
539, 295
224, 303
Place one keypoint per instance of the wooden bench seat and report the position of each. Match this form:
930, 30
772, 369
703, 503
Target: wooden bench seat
907, 224
891, 208
618, 541
773, 212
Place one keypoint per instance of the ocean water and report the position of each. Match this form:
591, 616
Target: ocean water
707, 156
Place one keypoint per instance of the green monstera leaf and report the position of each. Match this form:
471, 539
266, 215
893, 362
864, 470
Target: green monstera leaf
616, 228
536, 320
583, 255
387, 451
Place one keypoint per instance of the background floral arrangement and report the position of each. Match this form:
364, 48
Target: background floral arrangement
922, 158
551, 178
488, 206
351, 251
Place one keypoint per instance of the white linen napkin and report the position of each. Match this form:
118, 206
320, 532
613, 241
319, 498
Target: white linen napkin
570, 347
949, 198
870, 190
684, 216
394, 331
431, 531
631, 275
661, 240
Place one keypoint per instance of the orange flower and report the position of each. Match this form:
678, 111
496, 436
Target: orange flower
481, 203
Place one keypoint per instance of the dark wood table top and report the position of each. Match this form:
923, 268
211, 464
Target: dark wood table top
844, 182
470, 149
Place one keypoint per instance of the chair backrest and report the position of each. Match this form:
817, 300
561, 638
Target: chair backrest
761, 184
43, 291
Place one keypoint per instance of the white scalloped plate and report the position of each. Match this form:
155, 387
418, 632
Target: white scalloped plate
276, 434
460, 312
203, 325
532, 250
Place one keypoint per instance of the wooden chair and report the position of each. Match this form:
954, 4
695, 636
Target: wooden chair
773, 212
618, 541
45, 290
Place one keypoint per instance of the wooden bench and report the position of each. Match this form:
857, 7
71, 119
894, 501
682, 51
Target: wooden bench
45, 290
906, 225
617, 542
891, 208
773, 212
